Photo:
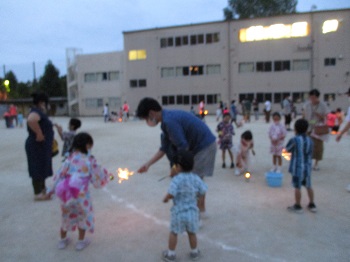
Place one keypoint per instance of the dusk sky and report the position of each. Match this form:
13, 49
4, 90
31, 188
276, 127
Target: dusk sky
38, 31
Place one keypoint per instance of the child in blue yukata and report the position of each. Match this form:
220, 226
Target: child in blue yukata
301, 147
68, 136
225, 131
184, 189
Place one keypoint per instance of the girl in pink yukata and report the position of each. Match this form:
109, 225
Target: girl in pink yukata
71, 185
243, 155
277, 134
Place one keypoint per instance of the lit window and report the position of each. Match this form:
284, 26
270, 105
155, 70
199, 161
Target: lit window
330, 26
137, 55
276, 31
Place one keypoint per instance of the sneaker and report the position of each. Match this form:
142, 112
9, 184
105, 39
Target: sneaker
195, 255
168, 258
232, 165
223, 165
63, 243
81, 244
295, 208
312, 208
237, 172
42, 197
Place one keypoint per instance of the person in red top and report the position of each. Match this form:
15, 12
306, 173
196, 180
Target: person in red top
13, 113
125, 111
332, 120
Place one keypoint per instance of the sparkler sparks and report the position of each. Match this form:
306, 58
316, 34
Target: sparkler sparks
123, 174
286, 155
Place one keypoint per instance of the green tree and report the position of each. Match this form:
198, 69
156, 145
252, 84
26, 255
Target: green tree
238, 9
50, 82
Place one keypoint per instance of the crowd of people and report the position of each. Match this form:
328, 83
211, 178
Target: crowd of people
190, 148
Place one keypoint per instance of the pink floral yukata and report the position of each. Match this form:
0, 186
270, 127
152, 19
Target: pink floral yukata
277, 134
72, 188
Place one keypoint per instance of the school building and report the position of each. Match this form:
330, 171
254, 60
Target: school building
262, 58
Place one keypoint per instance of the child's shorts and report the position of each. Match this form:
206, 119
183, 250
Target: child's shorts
297, 182
184, 221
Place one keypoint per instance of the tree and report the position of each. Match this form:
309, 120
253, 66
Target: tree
13, 84
50, 82
238, 9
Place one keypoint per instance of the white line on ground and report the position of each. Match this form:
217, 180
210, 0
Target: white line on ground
200, 236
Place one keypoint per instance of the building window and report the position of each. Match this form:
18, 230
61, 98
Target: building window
102, 76
301, 65
200, 39
193, 39
164, 100
213, 69
329, 61
171, 100
246, 67
182, 71
179, 100
329, 97
196, 70
178, 41
282, 65
263, 66
137, 55
133, 83
186, 99
277, 97
194, 99
163, 42
185, 40
142, 83
212, 99
330, 26
167, 72
114, 75
298, 97
90, 77
170, 41
93, 102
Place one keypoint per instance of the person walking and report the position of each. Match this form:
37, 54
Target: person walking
287, 111
38, 145
315, 112
267, 110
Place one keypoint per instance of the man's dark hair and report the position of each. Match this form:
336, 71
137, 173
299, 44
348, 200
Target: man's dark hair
185, 159
301, 126
75, 122
40, 97
314, 92
145, 105
80, 142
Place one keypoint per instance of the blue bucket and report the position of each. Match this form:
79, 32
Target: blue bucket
274, 179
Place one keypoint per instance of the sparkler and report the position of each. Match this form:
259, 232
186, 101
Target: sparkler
247, 176
286, 155
123, 174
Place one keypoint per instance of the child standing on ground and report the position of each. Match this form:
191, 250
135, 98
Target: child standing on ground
225, 131
68, 136
277, 134
243, 155
71, 185
185, 188
301, 147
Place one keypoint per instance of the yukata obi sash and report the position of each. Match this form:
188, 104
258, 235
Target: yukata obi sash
70, 187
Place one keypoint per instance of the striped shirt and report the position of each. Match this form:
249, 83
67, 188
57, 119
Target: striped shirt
301, 147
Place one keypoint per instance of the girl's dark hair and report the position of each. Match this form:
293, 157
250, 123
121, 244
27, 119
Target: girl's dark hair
75, 122
40, 97
185, 159
80, 142
227, 114
276, 114
147, 104
247, 135
301, 126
